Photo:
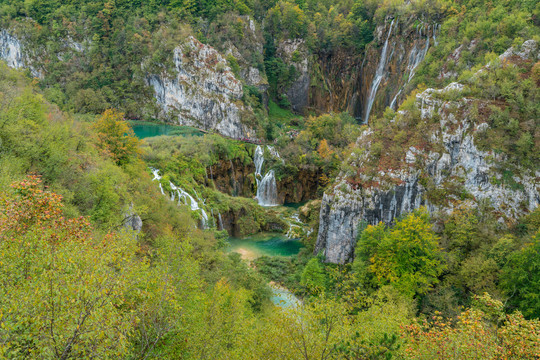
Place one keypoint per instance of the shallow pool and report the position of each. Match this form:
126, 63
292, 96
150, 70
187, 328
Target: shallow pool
269, 244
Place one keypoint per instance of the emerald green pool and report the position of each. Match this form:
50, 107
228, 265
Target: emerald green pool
265, 244
145, 130
269, 244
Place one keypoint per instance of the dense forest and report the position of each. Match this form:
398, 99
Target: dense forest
386, 154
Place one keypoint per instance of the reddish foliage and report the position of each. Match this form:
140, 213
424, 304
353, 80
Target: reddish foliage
33, 208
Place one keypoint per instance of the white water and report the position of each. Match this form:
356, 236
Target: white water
266, 186
378, 76
416, 56
220, 221
258, 159
157, 177
184, 198
267, 190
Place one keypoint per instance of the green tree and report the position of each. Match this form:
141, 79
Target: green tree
407, 255
314, 276
520, 278
116, 138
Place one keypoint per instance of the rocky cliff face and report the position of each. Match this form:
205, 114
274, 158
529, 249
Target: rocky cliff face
295, 53
302, 187
345, 81
233, 177
449, 160
12, 52
203, 92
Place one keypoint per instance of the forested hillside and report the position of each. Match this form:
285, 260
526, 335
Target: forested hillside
250, 179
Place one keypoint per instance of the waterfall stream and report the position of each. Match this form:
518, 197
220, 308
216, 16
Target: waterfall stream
266, 186
267, 190
379, 74
416, 56
184, 198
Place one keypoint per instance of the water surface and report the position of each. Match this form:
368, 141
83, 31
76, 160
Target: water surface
145, 130
265, 244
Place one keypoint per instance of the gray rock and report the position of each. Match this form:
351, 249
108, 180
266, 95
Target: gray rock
461, 162
132, 221
204, 93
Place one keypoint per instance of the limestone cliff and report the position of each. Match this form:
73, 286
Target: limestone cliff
202, 92
446, 159
12, 51
368, 82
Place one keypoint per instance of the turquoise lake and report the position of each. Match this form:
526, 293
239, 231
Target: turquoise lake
147, 130
265, 244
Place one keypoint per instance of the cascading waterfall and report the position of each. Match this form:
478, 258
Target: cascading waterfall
157, 177
266, 186
267, 190
184, 198
258, 159
378, 76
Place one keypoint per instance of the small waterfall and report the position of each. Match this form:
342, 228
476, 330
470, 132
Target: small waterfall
418, 57
379, 74
184, 198
266, 186
155, 172
220, 221
204, 219
267, 190
258, 159
273, 151
157, 177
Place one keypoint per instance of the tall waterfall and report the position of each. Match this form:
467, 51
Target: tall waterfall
378, 76
416, 56
266, 186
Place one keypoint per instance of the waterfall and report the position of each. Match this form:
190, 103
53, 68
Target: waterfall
420, 55
184, 198
416, 56
267, 190
258, 159
204, 219
378, 75
157, 177
220, 221
266, 186
273, 152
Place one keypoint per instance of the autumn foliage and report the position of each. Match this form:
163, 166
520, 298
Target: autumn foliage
481, 332
116, 138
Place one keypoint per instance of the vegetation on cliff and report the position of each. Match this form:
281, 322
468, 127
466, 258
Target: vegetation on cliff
97, 263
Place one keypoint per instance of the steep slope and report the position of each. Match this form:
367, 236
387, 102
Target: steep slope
202, 92
437, 152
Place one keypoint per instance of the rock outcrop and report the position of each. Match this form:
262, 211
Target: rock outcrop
347, 80
295, 53
449, 160
232, 177
302, 187
202, 92
12, 52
